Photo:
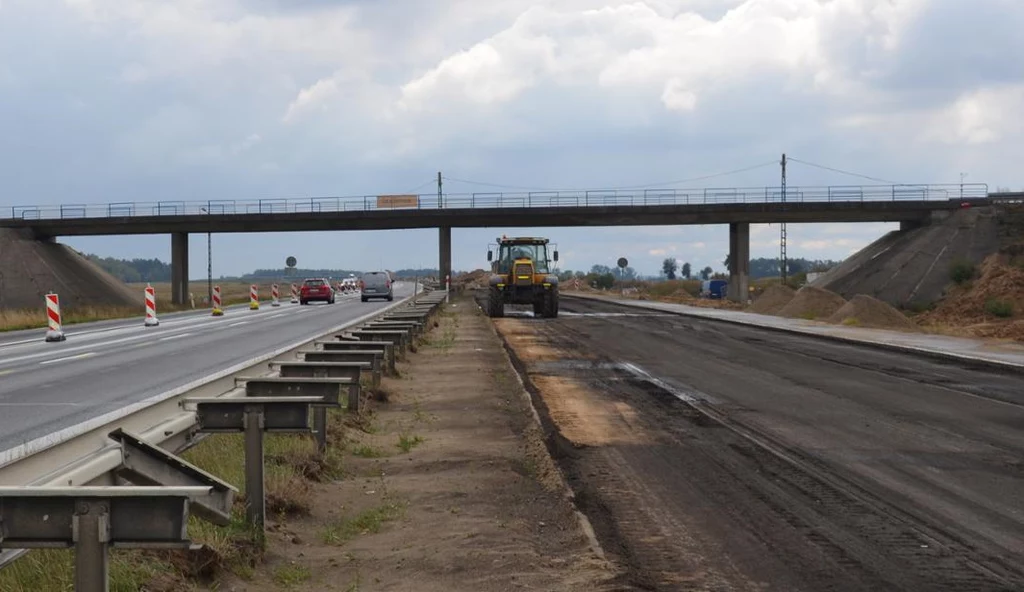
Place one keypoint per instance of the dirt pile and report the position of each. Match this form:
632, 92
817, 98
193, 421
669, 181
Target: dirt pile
812, 303
864, 311
679, 296
990, 305
471, 281
773, 299
30, 268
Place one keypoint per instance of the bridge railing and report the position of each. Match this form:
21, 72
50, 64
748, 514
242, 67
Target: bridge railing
534, 199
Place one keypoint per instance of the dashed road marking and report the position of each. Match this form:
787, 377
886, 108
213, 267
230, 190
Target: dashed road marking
68, 358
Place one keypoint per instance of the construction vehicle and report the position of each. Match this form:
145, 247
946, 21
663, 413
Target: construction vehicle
522, 274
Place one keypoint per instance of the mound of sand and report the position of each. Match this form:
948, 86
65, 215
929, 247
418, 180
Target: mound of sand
773, 299
472, 280
864, 311
812, 303
30, 268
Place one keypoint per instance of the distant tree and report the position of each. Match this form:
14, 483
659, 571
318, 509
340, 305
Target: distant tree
686, 270
627, 273
727, 263
600, 269
669, 267
706, 272
601, 280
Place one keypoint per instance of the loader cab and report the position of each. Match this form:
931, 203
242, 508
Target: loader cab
508, 252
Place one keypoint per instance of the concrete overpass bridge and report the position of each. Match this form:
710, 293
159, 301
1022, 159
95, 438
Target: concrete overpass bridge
910, 205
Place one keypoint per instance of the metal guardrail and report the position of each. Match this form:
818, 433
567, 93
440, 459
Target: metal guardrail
86, 454
533, 199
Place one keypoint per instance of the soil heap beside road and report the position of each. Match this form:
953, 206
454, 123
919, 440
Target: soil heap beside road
812, 303
991, 305
773, 299
30, 268
864, 311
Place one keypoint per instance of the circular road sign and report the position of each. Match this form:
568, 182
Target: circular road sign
290, 262
623, 262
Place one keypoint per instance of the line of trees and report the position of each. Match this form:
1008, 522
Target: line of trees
133, 270
761, 267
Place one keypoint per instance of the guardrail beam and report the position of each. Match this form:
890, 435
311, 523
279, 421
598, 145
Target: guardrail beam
377, 357
326, 388
146, 464
92, 519
253, 416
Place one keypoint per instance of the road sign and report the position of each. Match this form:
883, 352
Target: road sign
290, 261
623, 262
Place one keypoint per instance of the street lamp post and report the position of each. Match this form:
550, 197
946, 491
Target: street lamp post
962, 175
209, 263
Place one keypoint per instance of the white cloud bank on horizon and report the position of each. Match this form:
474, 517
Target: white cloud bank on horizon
122, 100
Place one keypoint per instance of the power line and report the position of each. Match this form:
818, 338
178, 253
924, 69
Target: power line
418, 187
834, 170
498, 185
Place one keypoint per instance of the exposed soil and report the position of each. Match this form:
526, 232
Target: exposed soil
477, 505
773, 299
812, 303
865, 311
970, 308
716, 457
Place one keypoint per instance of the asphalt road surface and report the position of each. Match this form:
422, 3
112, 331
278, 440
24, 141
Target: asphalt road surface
46, 387
735, 458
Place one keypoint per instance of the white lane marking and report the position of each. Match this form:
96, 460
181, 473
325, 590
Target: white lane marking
238, 323
40, 404
175, 337
68, 358
6, 372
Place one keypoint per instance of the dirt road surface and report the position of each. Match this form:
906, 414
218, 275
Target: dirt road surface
715, 457
448, 487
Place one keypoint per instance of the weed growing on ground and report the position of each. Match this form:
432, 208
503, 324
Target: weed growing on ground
368, 521
851, 321
999, 308
291, 575
962, 271
407, 442
367, 451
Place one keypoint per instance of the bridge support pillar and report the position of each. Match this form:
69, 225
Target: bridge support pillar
179, 268
739, 262
444, 240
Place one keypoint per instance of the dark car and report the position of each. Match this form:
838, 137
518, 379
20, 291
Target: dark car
316, 289
376, 284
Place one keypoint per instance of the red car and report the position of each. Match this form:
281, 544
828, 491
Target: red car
316, 289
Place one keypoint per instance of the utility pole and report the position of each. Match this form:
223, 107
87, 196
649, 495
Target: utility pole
209, 268
782, 237
439, 204
962, 175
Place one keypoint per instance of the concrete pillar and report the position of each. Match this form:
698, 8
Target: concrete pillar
739, 262
444, 240
179, 268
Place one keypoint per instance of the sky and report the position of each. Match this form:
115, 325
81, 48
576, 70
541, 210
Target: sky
129, 100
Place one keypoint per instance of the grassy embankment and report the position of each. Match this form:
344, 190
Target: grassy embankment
231, 293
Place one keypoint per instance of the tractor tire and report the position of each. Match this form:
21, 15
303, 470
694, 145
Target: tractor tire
550, 307
495, 304
538, 308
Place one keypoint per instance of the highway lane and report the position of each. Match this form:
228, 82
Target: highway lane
46, 387
842, 467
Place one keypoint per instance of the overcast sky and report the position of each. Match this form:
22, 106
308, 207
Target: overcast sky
121, 100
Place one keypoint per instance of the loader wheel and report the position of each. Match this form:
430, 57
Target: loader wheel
538, 308
550, 306
495, 304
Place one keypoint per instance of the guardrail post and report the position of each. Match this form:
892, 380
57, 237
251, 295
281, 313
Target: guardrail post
255, 494
91, 527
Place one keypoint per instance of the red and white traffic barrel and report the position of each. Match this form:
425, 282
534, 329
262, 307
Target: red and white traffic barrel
217, 311
295, 294
151, 320
55, 332
254, 297
274, 295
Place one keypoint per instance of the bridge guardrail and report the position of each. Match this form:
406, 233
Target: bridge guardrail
533, 199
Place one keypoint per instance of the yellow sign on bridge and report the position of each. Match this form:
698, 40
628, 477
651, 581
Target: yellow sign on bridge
397, 201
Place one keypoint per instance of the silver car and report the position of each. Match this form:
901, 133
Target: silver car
376, 284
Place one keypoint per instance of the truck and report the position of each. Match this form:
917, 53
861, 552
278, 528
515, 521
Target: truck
522, 273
